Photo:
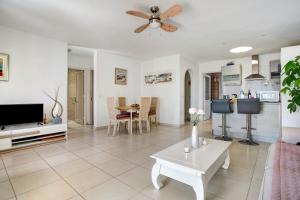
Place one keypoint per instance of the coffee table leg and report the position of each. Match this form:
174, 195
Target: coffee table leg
227, 161
199, 188
155, 174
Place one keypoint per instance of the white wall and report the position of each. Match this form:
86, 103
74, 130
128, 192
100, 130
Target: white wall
80, 61
36, 64
105, 63
215, 66
168, 93
289, 119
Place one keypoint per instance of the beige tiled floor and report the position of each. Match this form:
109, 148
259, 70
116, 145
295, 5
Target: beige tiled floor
92, 165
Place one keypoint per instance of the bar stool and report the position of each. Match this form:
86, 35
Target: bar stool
224, 107
248, 107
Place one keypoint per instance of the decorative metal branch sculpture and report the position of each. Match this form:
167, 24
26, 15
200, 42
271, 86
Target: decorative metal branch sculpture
57, 109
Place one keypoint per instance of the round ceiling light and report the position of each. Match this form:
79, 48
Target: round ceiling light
241, 49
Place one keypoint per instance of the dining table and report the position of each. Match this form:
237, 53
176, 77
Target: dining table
131, 108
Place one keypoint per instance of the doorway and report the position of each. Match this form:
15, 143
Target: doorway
76, 95
207, 96
212, 90
80, 86
187, 95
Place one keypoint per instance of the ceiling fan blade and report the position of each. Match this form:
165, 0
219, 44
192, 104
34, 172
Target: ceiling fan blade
141, 28
171, 12
138, 14
168, 27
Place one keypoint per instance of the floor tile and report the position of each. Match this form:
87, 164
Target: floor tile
72, 167
50, 150
87, 179
137, 178
254, 190
236, 173
86, 151
116, 166
22, 184
227, 188
60, 159
6, 191
99, 158
23, 169
172, 190
112, 190
18, 159
140, 197
1, 164
76, 198
58, 190
3, 175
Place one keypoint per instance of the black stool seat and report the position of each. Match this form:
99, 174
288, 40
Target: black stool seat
248, 107
222, 106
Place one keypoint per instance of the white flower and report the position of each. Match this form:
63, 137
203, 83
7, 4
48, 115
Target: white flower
200, 112
192, 111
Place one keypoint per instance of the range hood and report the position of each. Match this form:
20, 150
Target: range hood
255, 70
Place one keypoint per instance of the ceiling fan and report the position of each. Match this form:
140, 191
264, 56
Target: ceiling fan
156, 19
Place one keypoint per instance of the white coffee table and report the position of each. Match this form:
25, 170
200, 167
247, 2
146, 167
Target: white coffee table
195, 168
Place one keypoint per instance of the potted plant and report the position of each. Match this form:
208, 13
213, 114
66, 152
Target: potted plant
291, 83
195, 119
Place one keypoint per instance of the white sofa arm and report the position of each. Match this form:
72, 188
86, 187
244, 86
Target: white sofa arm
290, 135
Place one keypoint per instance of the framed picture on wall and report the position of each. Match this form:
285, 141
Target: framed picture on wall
156, 78
4, 67
120, 76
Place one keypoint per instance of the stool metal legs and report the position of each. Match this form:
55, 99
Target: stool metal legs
224, 131
249, 140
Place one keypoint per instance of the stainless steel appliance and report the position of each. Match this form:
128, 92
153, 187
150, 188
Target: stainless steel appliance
269, 96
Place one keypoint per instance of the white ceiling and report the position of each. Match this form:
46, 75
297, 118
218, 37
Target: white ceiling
207, 28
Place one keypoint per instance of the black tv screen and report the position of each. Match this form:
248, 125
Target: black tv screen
21, 113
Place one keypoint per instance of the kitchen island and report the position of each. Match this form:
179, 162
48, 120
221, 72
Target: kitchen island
267, 123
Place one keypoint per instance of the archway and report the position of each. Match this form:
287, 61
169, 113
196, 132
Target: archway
187, 95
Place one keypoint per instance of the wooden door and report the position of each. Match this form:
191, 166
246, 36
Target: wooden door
76, 95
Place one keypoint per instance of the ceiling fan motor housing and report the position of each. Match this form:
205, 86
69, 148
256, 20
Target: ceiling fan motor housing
154, 9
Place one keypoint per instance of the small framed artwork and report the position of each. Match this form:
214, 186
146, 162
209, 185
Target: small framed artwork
4, 67
120, 76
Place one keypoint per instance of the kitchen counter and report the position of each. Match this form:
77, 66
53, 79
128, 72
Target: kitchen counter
267, 123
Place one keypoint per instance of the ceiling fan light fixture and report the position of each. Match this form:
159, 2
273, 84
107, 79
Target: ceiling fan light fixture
154, 23
241, 49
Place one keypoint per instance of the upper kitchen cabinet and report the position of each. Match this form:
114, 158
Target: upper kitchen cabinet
232, 75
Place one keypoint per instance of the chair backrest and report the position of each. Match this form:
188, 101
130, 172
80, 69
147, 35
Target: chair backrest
153, 107
122, 101
111, 108
145, 107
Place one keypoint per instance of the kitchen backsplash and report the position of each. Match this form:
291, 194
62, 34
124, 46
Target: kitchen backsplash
254, 85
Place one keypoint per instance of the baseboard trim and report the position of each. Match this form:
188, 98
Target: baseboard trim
171, 125
100, 127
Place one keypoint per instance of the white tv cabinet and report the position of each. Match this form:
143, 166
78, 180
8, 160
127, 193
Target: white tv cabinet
23, 135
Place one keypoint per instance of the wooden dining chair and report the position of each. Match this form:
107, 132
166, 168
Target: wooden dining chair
122, 101
143, 115
153, 110
114, 118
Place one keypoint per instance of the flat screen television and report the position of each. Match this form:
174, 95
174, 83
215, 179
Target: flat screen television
21, 113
